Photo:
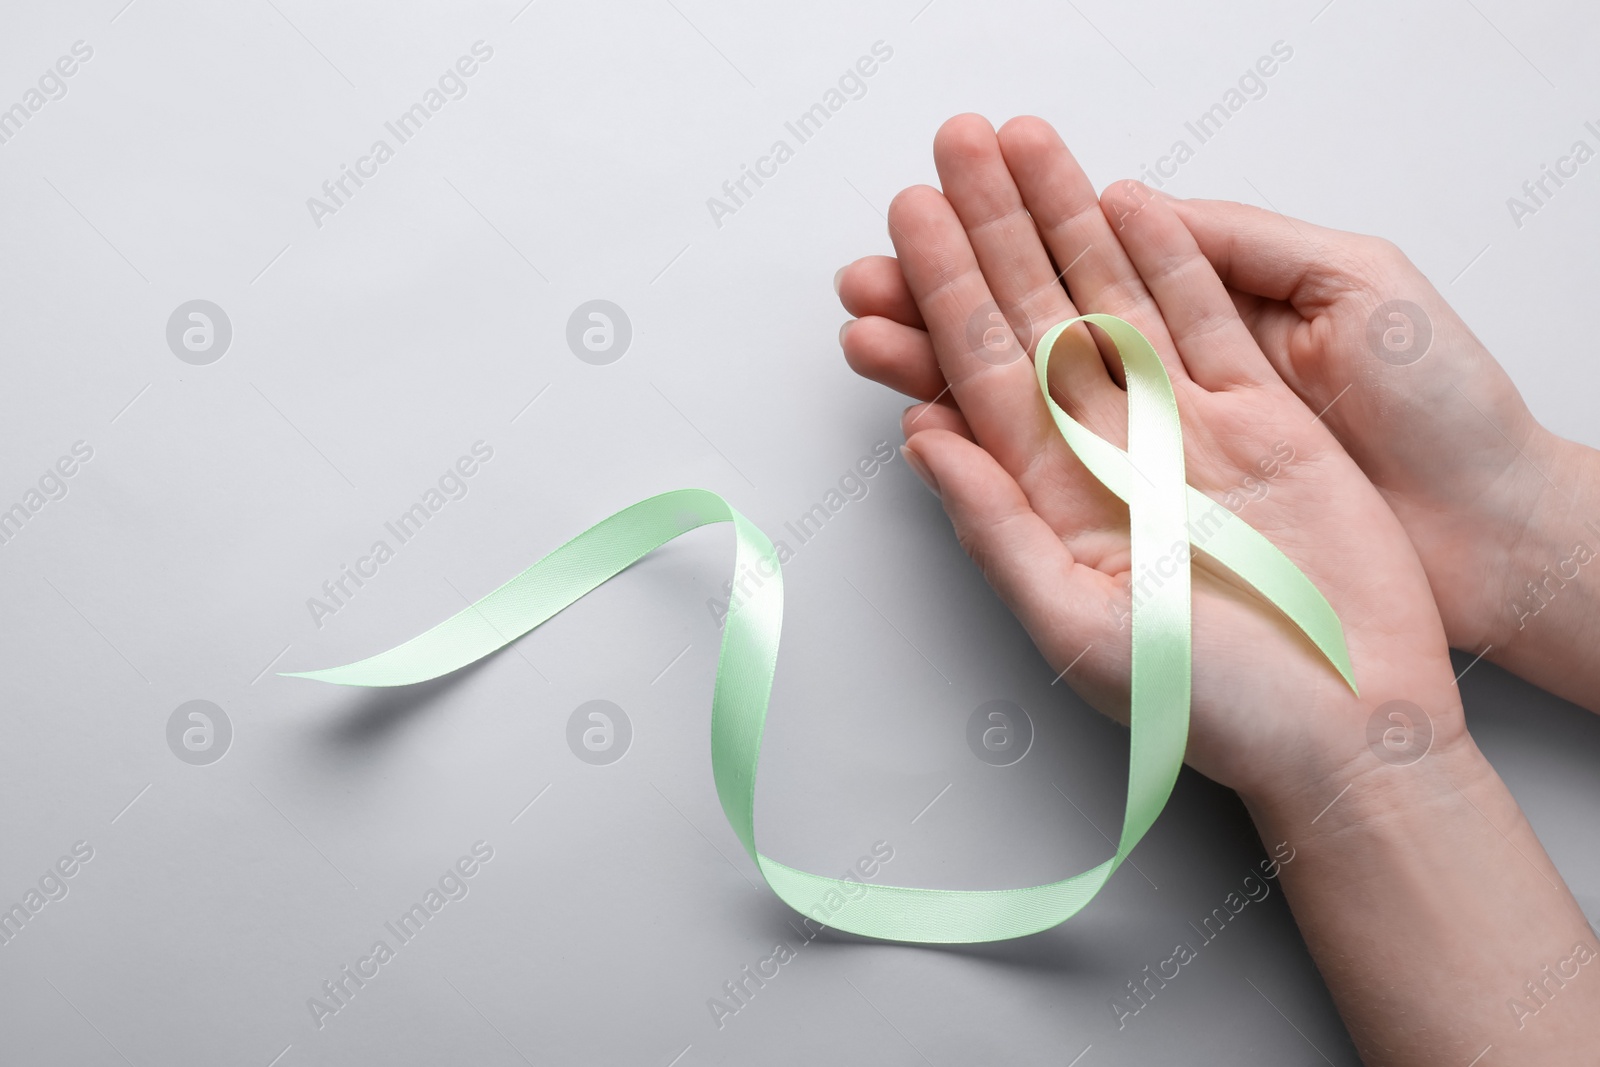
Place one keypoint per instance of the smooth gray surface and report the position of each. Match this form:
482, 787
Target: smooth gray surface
430, 311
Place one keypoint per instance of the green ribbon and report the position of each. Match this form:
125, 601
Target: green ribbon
1149, 477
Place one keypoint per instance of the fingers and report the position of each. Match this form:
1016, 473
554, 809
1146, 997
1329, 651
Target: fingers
1028, 294
1000, 400
873, 285
1265, 253
893, 354
938, 416
1059, 601
1212, 340
1008, 249
1065, 208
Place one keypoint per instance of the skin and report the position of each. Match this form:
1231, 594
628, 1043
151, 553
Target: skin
1489, 497
1421, 890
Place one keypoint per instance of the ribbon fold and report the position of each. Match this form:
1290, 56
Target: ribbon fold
1148, 476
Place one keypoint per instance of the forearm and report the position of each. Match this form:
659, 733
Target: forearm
1548, 629
1435, 916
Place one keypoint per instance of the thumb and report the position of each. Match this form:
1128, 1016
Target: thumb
1262, 252
1063, 605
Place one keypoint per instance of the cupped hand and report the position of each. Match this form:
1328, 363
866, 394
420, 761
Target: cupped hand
1432, 419
1018, 241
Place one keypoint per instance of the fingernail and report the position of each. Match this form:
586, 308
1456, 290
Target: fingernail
847, 324
837, 276
915, 463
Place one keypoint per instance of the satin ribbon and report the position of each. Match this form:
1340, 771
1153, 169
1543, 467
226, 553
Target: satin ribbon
1149, 477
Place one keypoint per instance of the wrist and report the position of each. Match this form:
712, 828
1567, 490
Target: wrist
1387, 755
1542, 550
1427, 901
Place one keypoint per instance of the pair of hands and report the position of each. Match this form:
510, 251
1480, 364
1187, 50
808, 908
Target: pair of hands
1413, 487
1262, 324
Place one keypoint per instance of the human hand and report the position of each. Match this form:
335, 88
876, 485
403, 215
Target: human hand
1405, 871
1268, 714
1415, 398
1504, 514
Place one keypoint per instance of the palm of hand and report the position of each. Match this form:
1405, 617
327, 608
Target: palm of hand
1053, 541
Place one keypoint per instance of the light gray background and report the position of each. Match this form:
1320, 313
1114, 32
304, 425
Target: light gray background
431, 310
